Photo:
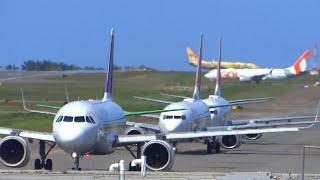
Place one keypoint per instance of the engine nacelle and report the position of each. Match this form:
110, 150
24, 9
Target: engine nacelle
252, 136
245, 79
230, 141
134, 131
159, 154
14, 151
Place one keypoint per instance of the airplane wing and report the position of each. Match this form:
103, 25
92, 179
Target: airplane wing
152, 127
27, 134
137, 113
176, 96
257, 78
154, 100
154, 116
31, 110
232, 102
127, 139
249, 101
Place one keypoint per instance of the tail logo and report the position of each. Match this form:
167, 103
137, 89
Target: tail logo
301, 64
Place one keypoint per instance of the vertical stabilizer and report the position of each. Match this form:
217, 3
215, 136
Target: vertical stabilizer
217, 90
196, 92
108, 84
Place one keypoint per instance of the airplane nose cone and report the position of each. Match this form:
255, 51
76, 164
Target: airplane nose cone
76, 139
208, 75
171, 125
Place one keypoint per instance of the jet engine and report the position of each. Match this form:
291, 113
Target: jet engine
134, 131
159, 154
230, 141
244, 79
14, 151
252, 136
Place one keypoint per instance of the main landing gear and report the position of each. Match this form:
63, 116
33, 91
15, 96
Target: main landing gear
212, 145
134, 148
43, 162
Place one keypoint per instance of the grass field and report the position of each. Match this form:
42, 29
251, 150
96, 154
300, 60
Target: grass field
126, 85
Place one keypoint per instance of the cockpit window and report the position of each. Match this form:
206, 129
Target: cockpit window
68, 119
215, 112
88, 119
174, 117
79, 119
59, 119
92, 120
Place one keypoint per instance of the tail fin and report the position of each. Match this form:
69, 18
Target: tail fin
217, 90
108, 84
193, 59
196, 92
301, 64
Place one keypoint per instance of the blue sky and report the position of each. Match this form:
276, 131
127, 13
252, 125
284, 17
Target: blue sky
271, 33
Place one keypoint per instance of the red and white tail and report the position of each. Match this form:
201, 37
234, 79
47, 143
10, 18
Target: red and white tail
301, 64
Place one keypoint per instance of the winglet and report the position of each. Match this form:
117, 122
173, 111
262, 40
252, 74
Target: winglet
196, 92
67, 95
217, 90
24, 101
108, 84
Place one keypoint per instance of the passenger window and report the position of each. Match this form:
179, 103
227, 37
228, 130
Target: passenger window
68, 119
79, 119
177, 117
92, 120
169, 117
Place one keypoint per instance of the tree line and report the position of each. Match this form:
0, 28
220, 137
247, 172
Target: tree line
48, 65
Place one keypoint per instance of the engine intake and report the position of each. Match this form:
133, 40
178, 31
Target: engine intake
252, 136
134, 131
14, 151
160, 155
230, 141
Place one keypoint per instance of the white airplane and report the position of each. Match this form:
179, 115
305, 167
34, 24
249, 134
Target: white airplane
96, 127
256, 75
219, 108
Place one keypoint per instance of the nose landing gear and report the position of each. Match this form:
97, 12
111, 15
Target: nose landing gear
43, 162
76, 158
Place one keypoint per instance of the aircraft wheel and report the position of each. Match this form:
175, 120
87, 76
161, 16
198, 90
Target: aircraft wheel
37, 164
48, 165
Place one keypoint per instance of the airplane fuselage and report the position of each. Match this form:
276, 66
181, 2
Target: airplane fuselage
246, 74
218, 114
88, 126
196, 116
